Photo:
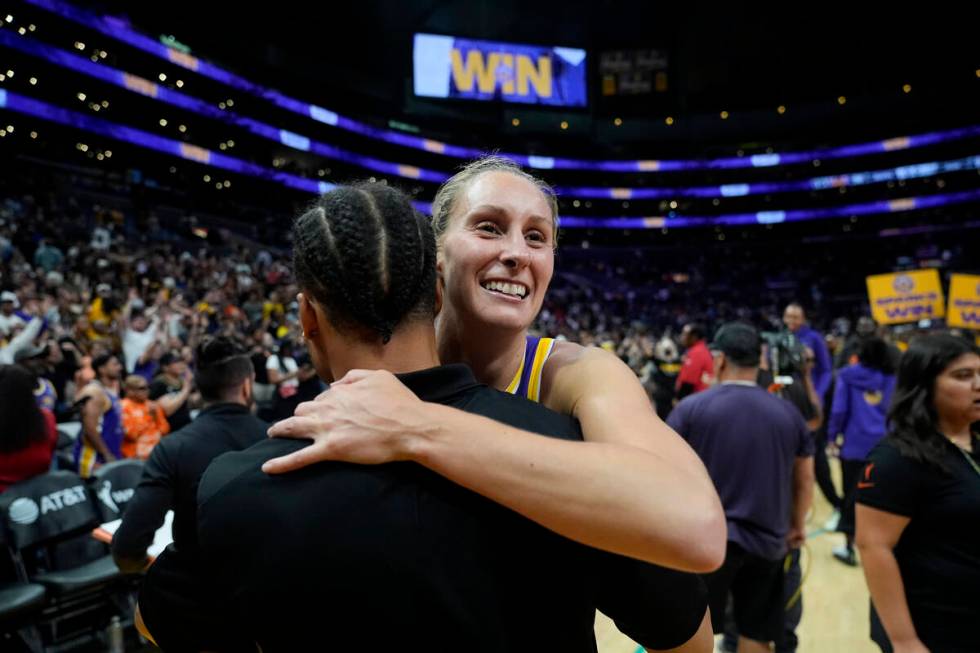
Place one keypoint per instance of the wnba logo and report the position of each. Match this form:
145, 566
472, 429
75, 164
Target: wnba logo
903, 283
23, 511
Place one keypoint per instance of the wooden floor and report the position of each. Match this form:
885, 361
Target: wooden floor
835, 597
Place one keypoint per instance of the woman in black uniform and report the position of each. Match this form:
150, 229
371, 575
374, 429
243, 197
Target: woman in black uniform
918, 512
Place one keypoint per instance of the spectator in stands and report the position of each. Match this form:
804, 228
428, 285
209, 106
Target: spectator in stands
100, 440
759, 454
173, 470
666, 365
862, 395
27, 432
47, 256
148, 365
8, 315
696, 367
918, 504
65, 362
144, 422
22, 332
172, 389
102, 313
140, 332
262, 345
283, 372
35, 359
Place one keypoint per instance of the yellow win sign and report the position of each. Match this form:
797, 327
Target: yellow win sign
964, 301
905, 296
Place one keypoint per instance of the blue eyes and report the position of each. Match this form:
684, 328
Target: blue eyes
491, 228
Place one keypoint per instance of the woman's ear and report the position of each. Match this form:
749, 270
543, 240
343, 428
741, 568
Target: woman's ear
440, 286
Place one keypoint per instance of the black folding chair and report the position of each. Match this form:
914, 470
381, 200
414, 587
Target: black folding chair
64, 452
48, 521
20, 603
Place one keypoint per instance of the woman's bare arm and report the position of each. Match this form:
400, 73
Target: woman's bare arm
877, 534
624, 498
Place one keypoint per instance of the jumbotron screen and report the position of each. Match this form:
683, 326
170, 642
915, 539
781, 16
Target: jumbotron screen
458, 68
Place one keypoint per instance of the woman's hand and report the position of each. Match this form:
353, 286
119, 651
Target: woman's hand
367, 417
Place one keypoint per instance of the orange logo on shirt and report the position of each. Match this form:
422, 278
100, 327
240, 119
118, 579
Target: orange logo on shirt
867, 476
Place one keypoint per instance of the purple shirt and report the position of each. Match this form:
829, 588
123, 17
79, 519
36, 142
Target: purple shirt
749, 441
823, 368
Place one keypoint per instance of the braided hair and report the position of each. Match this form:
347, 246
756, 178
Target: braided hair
367, 257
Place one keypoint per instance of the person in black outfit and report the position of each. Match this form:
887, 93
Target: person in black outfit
393, 552
918, 504
172, 390
174, 468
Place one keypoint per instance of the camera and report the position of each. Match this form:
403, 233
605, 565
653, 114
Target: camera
786, 354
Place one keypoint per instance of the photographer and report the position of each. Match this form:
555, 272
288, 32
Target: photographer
795, 320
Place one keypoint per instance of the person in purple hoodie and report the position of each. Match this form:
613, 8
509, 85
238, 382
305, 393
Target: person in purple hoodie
861, 399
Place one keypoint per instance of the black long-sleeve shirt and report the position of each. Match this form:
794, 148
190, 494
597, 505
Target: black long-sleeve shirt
336, 554
173, 472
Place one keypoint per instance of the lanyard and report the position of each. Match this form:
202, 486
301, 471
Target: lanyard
969, 458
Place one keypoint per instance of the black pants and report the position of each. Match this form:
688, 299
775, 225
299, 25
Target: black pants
788, 642
755, 586
851, 473
822, 469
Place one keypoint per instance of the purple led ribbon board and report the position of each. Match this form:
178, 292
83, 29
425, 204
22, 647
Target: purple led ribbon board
32, 107
296, 141
119, 30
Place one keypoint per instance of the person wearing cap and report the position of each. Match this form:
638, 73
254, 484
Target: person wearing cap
9, 319
21, 334
759, 453
172, 388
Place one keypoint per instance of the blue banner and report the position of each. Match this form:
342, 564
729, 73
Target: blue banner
449, 67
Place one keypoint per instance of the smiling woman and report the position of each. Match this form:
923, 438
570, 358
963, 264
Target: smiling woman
634, 487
